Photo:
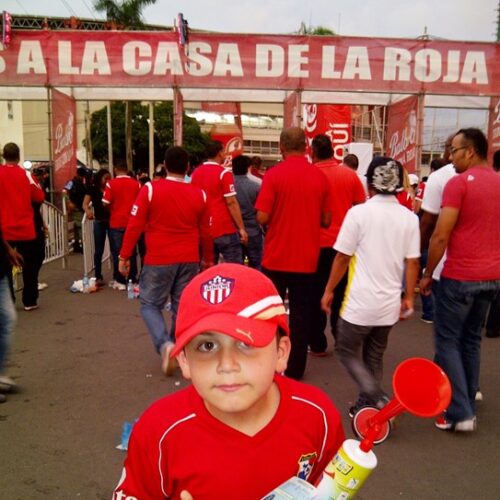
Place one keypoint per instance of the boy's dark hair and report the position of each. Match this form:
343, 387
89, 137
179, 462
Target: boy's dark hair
11, 152
322, 147
241, 164
385, 175
476, 139
176, 160
351, 161
438, 163
496, 160
213, 149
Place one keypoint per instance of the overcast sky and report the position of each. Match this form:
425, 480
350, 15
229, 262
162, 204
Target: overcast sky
451, 19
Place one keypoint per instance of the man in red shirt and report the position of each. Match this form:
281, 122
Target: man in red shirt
467, 228
346, 191
119, 195
170, 213
226, 224
294, 202
17, 191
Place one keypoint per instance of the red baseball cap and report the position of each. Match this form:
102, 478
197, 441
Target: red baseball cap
232, 299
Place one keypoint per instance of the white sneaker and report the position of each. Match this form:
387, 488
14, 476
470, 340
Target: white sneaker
479, 395
119, 286
42, 286
7, 384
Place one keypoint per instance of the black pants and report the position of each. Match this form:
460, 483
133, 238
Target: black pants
300, 288
317, 340
28, 251
493, 321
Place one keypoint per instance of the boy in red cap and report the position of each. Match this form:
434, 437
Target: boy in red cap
241, 429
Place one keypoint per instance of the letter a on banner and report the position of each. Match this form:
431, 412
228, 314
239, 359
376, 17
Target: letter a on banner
178, 117
63, 138
493, 128
402, 138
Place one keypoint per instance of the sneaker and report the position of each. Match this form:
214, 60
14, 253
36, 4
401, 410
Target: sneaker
468, 425
42, 286
479, 395
31, 308
3, 398
493, 334
425, 320
7, 384
317, 354
355, 408
119, 286
168, 364
99, 283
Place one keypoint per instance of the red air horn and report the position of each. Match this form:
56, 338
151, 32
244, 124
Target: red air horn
420, 387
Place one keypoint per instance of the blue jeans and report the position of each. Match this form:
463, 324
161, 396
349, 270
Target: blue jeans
427, 300
157, 283
101, 229
115, 243
7, 319
229, 246
458, 318
254, 251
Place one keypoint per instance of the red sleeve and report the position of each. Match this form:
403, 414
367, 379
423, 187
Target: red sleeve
359, 191
454, 192
107, 197
227, 181
136, 222
37, 194
265, 200
140, 476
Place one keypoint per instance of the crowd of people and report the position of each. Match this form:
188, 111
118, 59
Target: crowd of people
316, 236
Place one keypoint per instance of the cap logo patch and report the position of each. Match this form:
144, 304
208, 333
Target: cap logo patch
217, 290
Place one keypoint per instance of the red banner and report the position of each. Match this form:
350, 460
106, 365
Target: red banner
232, 139
63, 138
493, 128
291, 110
135, 59
331, 120
401, 137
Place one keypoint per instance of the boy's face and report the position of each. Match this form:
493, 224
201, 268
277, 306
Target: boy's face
232, 377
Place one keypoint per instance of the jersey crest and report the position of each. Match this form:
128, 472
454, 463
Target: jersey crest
306, 464
217, 290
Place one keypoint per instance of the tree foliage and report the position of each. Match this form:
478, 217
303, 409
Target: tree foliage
126, 14
194, 141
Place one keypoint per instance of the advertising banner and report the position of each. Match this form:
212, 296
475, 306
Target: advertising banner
401, 136
63, 138
329, 119
291, 110
231, 137
137, 59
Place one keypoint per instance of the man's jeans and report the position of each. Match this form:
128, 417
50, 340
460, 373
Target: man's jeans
7, 319
253, 250
458, 318
361, 350
229, 246
157, 283
115, 243
101, 229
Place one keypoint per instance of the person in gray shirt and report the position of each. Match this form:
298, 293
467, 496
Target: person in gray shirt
246, 193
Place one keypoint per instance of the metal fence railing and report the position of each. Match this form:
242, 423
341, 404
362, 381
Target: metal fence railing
56, 243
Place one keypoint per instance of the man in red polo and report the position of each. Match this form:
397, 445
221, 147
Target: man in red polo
119, 195
346, 191
17, 191
294, 202
226, 224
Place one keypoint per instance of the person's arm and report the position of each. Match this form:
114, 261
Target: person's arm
234, 210
36, 192
262, 217
326, 219
427, 226
87, 200
437, 246
412, 269
15, 258
339, 268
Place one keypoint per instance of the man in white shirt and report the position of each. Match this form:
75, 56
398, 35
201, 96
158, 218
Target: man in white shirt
379, 241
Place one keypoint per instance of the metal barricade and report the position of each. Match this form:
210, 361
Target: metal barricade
89, 246
56, 243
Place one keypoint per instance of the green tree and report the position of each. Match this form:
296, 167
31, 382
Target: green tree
194, 140
315, 30
125, 14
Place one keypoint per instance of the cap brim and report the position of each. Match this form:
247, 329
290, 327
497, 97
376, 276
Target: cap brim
253, 332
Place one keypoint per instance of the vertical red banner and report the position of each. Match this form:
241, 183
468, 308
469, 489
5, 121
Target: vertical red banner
401, 137
63, 138
291, 110
178, 117
493, 128
329, 119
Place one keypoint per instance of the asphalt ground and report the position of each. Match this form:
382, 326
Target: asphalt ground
85, 365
